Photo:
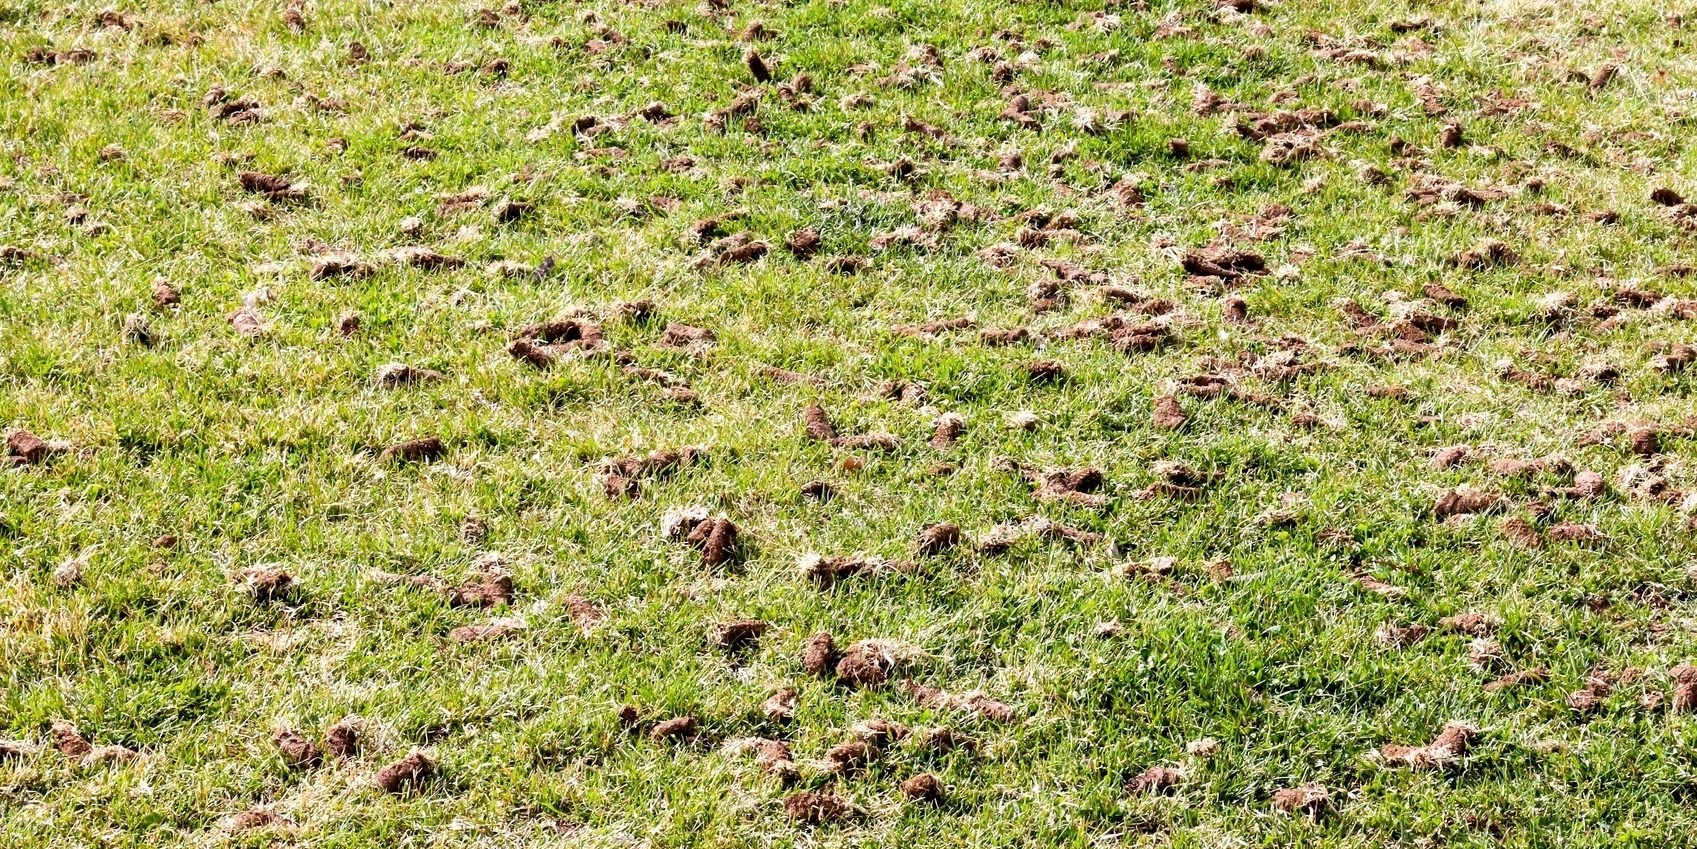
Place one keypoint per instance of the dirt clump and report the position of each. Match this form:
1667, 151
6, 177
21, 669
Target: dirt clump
923, 787
1463, 502
946, 430
342, 740
271, 186
676, 728
1218, 267
1522, 678
850, 756
818, 652
1684, 688
1069, 486
1400, 636
1169, 414
780, 706
817, 807
940, 740
757, 67
421, 450
784, 375
1155, 780
774, 759
401, 374
1471, 624
938, 538
525, 351
804, 243
251, 819
1045, 371
495, 629
717, 540
1450, 745
27, 449
869, 663
1491, 253
296, 749
69, 740
973, 702
738, 635
1309, 799
266, 583
1005, 536
489, 589
818, 424
1521, 533
1450, 457
408, 773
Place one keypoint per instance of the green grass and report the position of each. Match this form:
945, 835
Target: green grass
263, 451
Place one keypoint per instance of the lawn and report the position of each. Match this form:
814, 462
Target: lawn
847, 423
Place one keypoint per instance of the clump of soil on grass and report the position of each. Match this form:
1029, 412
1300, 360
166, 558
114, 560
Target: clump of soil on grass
825, 572
869, 663
341, 740
738, 635
495, 629
1069, 486
804, 243
25, 448
676, 728
251, 819
488, 589
1450, 745
1463, 502
68, 739
715, 537
271, 186
1169, 414
818, 424
936, 539
940, 740
1521, 533
1373, 585
784, 375
296, 749
421, 450
974, 702
1227, 267
584, 613
1471, 624
850, 756
266, 583
1005, 536
1309, 799
817, 807
818, 653
1598, 686
1045, 371
1155, 780
1524, 677
819, 428
923, 787
1684, 688
11, 750
525, 351
401, 374
408, 773
1400, 636
780, 706
946, 430
1573, 532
